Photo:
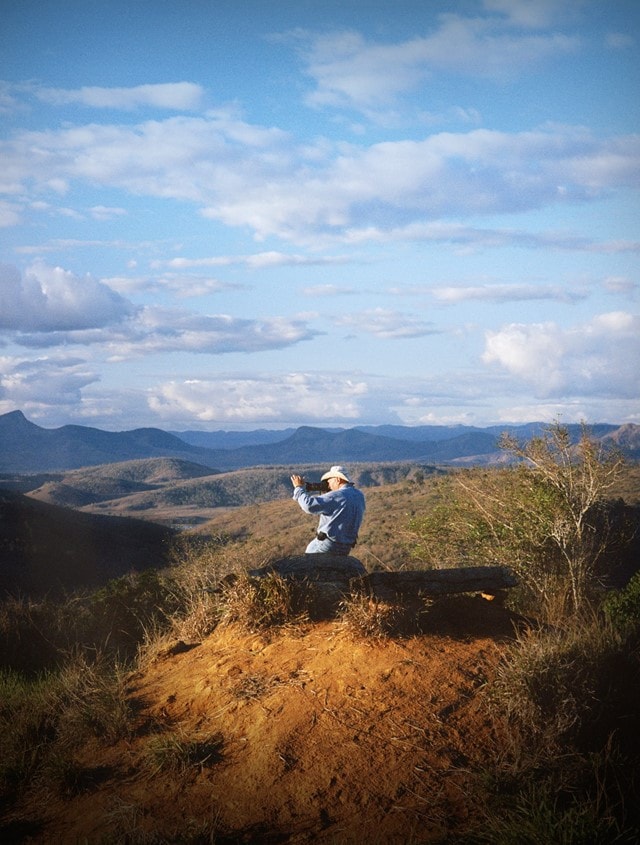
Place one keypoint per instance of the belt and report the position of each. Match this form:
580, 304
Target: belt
320, 535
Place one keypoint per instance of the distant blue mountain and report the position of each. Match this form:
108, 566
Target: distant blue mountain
233, 439
28, 448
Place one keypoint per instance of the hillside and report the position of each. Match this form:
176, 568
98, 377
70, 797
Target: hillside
178, 492
50, 549
119, 480
44, 545
282, 527
312, 730
305, 734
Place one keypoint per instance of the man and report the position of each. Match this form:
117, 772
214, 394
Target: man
341, 511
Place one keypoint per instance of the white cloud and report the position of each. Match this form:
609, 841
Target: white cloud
243, 175
482, 171
507, 293
155, 330
10, 214
598, 358
49, 306
105, 212
169, 330
258, 260
352, 72
182, 285
43, 381
468, 239
621, 285
387, 324
170, 95
328, 290
50, 299
8, 102
269, 398
532, 14
619, 40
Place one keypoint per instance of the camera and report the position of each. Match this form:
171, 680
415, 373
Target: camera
317, 486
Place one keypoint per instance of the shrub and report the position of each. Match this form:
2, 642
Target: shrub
546, 518
569, 686
563, 704
622, 608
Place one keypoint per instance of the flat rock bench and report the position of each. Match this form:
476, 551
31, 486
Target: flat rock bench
334, 577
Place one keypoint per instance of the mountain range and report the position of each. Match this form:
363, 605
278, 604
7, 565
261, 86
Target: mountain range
26, 448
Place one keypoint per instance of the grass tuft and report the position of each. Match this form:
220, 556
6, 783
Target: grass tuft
178, 753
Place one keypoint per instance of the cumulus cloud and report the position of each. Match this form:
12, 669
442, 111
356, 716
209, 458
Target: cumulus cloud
245, 175
49, 306
240, 398
154, 330
51, 299
43, 381
169, 95
171, 330
597, 358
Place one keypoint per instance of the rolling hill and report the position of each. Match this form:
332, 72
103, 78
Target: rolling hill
47, 549
181, 493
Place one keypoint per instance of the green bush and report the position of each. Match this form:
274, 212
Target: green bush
622, 608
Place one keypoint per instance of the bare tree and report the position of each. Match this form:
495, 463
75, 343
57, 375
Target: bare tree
545, 516
578, 478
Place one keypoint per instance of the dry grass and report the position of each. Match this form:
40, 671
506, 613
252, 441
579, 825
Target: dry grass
267, 602
179, 753
45, 722
364, 617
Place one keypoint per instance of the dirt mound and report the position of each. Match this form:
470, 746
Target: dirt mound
302, 734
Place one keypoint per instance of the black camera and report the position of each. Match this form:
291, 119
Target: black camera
317, 486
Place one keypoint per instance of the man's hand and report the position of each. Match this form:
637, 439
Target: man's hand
297, 480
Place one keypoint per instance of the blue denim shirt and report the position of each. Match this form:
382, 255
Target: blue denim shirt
341, 511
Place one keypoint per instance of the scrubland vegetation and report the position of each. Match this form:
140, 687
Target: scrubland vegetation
564, 702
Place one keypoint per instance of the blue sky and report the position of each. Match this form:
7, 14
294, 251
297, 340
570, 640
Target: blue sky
249, 213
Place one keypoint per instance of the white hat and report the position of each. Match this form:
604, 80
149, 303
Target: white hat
336, 472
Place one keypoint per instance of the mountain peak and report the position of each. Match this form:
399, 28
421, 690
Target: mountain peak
14, 417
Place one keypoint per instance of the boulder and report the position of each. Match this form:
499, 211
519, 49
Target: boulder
315, 568
326, 579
